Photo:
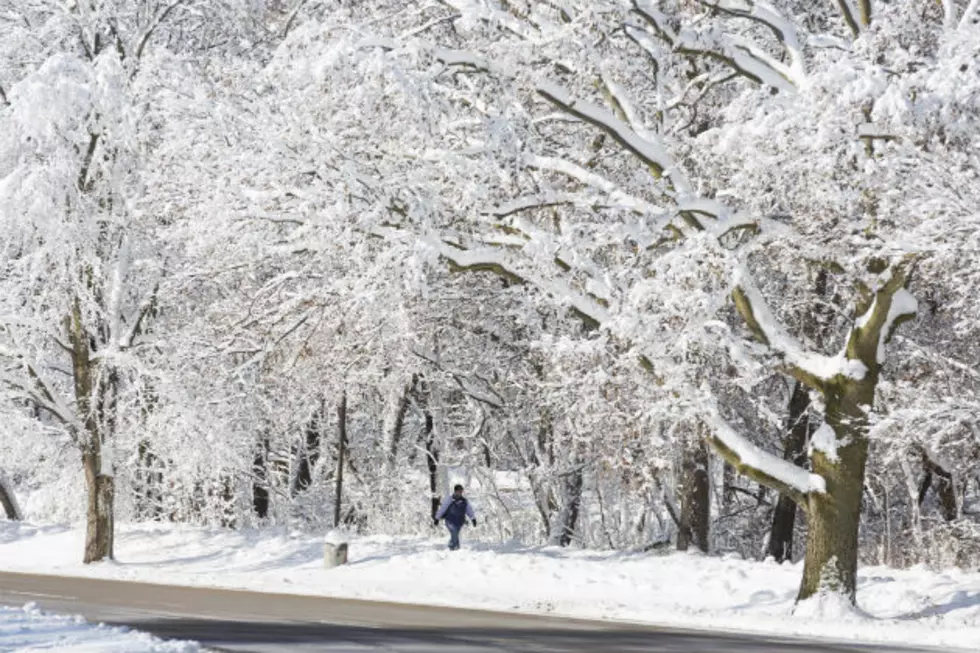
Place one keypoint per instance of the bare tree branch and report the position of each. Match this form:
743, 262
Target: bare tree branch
154, 24
849, 14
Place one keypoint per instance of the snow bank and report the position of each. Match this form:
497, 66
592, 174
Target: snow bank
29, 629
913, 606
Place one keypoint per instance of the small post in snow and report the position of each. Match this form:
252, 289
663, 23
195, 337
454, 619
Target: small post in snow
334, 549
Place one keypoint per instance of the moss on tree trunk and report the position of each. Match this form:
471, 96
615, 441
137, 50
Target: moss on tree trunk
833, 517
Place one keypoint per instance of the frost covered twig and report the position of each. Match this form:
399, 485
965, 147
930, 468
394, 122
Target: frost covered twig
767, 15
741, 55
806, 367
651, 152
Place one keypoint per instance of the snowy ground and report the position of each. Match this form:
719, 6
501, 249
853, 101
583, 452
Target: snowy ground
29, 629
915, 606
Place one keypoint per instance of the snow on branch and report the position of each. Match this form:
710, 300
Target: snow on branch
136, 328
856, 16
522, 233
617, 196
646, 145
651, 152
37, 390
810, 368
760, 465
157, 20
475, 10
482, 392
497, 261
461, 58
621, 101
642, 143
893, 304
743, 57
767, 15
971, 15
532, 202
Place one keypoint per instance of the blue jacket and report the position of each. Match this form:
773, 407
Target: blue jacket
455, 510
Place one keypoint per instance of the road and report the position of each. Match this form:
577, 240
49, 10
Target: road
228, 620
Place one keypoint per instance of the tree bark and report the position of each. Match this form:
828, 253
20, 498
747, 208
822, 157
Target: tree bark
8, 502
431, 453
833, 516
309, 452
149, 493
94, 403
941, 480
341, 454
260, 482
695, 517
571, 502
99, 534
839, 456
395, 423
794, 448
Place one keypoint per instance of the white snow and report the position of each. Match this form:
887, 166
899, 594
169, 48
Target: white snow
616, 195
912, 606
557, 288
825, 440
821, 366
903, 304
769, 15
649, 148
29, 629
336, 537
773, 466
461, 58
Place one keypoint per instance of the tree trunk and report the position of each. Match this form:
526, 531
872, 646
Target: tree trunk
799, 428
431, 453
941, 481
395, 423
101, 495
571, 501
94, 400
728, 489
794, 448
149, 478
260, 482
833, 516
309, 452
341, 453
694, 526
8, 502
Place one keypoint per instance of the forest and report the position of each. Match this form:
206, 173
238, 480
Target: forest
643, 274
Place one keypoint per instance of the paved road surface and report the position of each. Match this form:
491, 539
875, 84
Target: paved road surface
228, 620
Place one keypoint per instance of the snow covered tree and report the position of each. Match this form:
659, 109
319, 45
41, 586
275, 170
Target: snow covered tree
81, 254
754, 153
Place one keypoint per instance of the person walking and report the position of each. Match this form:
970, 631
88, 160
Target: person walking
455, 509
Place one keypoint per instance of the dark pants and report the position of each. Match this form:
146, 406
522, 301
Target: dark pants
453, 535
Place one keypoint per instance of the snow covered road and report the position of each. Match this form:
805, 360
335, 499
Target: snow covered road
29, 629
913, 607
270, 623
